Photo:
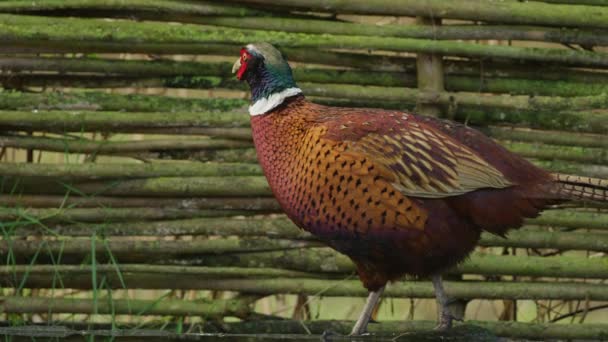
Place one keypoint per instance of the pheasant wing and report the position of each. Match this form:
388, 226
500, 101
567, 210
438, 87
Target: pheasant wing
419, 159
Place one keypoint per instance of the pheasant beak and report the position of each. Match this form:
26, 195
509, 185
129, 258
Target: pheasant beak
236, 66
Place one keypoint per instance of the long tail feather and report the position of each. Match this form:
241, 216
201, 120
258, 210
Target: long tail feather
580, 188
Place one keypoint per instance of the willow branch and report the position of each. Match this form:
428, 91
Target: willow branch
238, 17
207, 308
93, 171
534, 13
58, 7
595, 121
135, 249
409, 95
548, 137
517, 330
103, 102
588, 170
461, 75
224, 225
82, 215
55, 201
452, 82
543, 239
289, 263
232, 186
235, 155
571, 219
117, 147
551, 152
446, 32
127, 68
353, 288
138, 248
327, 260
537, 111
168, 270
90, 30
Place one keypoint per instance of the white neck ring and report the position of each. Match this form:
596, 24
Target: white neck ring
266, 104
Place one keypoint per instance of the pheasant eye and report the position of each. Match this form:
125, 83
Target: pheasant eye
244, 57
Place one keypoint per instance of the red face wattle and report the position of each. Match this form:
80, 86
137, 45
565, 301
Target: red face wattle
245, 56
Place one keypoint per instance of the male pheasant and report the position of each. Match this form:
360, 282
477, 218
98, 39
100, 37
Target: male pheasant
397, 193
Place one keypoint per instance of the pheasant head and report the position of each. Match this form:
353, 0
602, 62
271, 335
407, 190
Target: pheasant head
268, 75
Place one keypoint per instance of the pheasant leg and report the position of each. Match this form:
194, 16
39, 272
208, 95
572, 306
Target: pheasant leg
372, 300
445, 315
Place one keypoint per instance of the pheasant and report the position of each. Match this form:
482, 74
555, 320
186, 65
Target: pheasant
395, 192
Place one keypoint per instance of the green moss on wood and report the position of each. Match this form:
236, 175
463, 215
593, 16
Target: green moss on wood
407, 329
233, 186
120, 147
553, 152
205, 308
447, 32
13, 100
513, 12
547, 137
124, 7
116, 170
16, 28
96, 215
577, 121
198, 203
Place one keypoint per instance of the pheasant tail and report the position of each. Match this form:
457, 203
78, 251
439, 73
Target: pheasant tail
580, 188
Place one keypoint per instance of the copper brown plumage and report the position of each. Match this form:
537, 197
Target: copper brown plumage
398, 193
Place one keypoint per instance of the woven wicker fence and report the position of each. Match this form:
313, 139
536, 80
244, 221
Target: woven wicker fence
131, 196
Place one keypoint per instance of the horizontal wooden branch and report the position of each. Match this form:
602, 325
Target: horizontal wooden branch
461, 75
122, 171
552, 152
408, 329
17, 28
93, 171
484, 69
232, 186
579, 2
132, 7
589, 170
112, 103
195, 121
510, 86
118, 147
151, 250
108, 67
547, 137
353, 288
239, 17
107, 215
224, 225
530, 12
67, 271
572, 219
443, 32
197, 203
134, 250
326, 260
575, 121
411, 95
514, 330
287, 266
539, 112
217, 308
205, 149
543, 239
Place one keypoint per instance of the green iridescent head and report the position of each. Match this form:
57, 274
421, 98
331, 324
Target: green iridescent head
265, 69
